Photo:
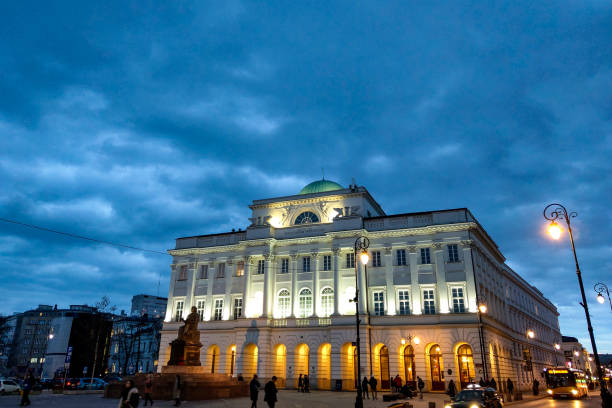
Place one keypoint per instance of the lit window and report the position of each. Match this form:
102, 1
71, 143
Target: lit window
425, 256
376, 259
178, 310
429, 302
306, 264
285, 265
221, 270
401, 257
306, 218
404, 302
261, 267
240, 268
237, 308
283, 303
203, 271
200, 306
327, 302
218, 309
379, 303
350, 260
305, 303
453, 253
458, 301
327, 263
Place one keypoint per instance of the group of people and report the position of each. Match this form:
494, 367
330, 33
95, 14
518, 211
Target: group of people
270, 391
303, 383
372, 383
130, 395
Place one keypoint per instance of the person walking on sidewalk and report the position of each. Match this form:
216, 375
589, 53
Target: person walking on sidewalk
270, 392
28, 383
373, 384
397, 383
493, 383
421, 385
452, 390
364, 387
129, 396
306, 383
510, 386
176, 391
254, 390
148, 390
300, 383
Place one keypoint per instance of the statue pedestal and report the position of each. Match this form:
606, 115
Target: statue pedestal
177, 353
192, 354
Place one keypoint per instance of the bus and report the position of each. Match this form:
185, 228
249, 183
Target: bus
566, 382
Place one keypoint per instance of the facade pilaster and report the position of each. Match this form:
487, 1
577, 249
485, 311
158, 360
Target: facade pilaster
170, 304
191, 269
336, 251
441, 287
414, 281
390, 308
227, 302
361, 285
315, 283
209, 305
470, 290
294, 287
247, 286
268, 285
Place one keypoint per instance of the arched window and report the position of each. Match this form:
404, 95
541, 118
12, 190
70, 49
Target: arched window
305, 302
435, 366
307, 217
409, 368
466, 363
283, 304
327, 302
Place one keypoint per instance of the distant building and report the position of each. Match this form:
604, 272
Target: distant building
134, 345
575, 355
7, 334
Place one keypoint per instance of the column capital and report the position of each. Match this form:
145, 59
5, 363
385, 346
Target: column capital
388, 249
248, 259
293, 255
437, 246
468, 243
336, 250
412, 249
314, 252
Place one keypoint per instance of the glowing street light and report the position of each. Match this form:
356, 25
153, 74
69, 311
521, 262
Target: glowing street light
554, 230
601, 288
530, 334
364, 256
557, 346
483, 308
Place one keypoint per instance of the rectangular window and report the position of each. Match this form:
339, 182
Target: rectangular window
237, 308
218, 309
203, 271
178, 310
261, 267
200, 306
404, 301
182, 273
306, 264
453, 253
376, 259
221, 270
400, 257
350, 260
429, 302
285, 265
379, 303
327, 263
425, 256
458, 301
240, 268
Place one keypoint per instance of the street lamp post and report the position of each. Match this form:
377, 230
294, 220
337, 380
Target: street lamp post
553, 212
482, 309
600, 288
361, 246
557, 348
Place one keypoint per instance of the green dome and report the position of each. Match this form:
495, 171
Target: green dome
321, 186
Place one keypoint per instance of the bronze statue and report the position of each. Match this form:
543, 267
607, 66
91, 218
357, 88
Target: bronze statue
189, 331
186, 347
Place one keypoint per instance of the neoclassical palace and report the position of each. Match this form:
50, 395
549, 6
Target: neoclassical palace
437, 300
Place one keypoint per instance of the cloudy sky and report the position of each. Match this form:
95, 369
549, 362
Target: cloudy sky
139, 122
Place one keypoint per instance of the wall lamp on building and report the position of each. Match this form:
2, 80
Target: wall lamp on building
602, 288
361, 247
530, 334
553, 212
557, 348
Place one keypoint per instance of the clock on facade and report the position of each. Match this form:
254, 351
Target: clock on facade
306, 217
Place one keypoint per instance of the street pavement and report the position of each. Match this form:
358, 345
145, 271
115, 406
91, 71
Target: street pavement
287, 399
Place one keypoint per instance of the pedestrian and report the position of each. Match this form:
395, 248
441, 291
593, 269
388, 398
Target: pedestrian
148, 390
397, 382
254, 389
129, 396
536, 387
510, 386
493, 383
240, 377
28, 383
373, 384
176, 392
306, 383
364, 387
482, 382
452, 390
270, 392
300, 383
421, 385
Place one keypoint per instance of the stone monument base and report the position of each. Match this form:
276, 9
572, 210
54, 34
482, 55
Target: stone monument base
197, 385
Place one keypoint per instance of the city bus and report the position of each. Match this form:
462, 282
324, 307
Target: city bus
566, 382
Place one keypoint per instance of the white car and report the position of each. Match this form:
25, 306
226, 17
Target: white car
8, 386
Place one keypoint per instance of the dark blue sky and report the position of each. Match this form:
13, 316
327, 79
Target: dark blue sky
140, 122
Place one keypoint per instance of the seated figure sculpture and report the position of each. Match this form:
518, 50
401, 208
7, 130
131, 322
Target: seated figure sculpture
185, 349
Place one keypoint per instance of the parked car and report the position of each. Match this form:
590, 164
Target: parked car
46, 383
112, 378
477, 398
72, 383
88, 384
8, 386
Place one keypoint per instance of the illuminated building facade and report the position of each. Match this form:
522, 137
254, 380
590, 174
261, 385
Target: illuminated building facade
274, 299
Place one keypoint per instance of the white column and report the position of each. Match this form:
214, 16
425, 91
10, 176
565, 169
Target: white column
441, 287
191, 269
336, 281
210, 304
470, 291
268, 275
170, 305
315, 283
361, 285
227, 303
247, 287
390, 293
294, 286
414, 280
